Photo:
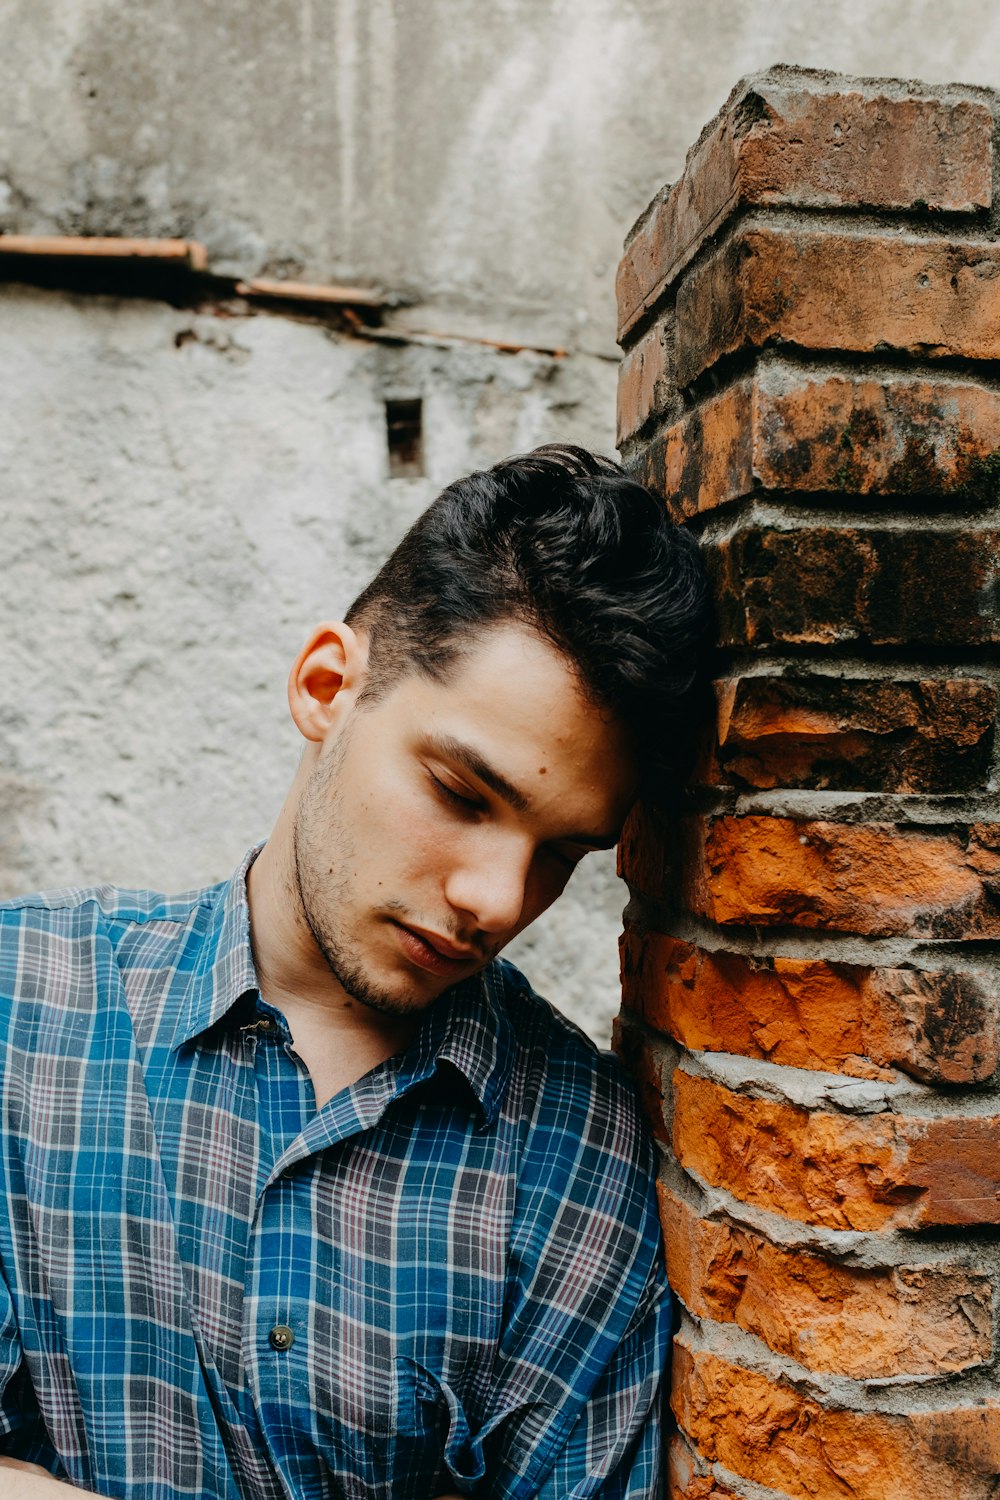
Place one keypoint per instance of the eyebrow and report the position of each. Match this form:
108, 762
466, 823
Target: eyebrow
466, 755
475, 763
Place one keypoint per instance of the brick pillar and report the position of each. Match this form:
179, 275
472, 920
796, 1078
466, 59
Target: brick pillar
811, 320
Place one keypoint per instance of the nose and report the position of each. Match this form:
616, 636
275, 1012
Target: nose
488, 887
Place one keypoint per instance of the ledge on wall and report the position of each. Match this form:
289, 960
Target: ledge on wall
177, 271
170, 270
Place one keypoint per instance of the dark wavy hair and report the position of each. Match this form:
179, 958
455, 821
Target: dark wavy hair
562, 541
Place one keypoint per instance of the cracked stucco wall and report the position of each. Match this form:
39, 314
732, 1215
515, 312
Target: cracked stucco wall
185, 494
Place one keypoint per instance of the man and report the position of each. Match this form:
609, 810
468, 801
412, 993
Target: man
308, 1194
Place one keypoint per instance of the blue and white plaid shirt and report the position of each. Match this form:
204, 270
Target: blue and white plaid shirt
447, 1279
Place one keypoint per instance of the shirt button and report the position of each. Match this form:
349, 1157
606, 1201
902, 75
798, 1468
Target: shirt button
281, 1337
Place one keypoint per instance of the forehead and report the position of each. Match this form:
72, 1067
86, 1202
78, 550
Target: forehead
500, 666
518, 700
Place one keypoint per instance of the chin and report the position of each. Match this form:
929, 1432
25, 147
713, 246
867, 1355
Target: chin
399, 997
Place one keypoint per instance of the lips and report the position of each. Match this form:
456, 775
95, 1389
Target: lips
431, 951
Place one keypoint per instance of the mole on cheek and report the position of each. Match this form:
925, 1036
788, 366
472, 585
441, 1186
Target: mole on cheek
542, 770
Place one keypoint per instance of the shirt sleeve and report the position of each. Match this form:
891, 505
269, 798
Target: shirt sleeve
11, 1373
22, 1430
614, 1451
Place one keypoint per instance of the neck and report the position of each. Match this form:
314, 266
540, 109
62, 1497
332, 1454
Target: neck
338, 1038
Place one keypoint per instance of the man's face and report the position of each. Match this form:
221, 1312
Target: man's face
441, 820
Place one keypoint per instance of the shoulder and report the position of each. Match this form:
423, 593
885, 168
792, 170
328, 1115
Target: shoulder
82, 906
585, 1251
557, 1069
583, 1139
54, 943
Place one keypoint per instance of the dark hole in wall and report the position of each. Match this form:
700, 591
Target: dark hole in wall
405, 435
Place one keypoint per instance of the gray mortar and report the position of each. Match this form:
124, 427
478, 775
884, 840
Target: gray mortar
757, 514
808, 942
900, 1395
898, 809
745, 1488
861, 1250
807, 1088
777, 664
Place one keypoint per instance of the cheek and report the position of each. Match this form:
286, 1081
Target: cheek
405, 823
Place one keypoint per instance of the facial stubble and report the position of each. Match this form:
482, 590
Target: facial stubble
323, 880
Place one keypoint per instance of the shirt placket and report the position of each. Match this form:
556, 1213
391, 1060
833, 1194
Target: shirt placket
292, 1302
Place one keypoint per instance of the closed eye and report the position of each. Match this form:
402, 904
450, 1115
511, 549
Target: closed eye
449, 795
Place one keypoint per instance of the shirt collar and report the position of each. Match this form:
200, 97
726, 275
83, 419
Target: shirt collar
468, 1027
225, 969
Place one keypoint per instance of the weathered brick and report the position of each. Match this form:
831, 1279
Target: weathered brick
648, 852
860, 496
772, 1434
865, 1324
873, 878
647, 1072
829, 585
939, 1027
869, 1172
684, 1482
794, 139
856, 293
814, 730
797, 431
644, 386
706, 459
889, 436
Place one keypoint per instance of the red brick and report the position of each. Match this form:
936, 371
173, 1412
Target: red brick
939, 1027
858, 520
859, 435
644, 387
867, 1172
772, 1434
684, 1482
853, 293
842, 733
792, 430
872, 878
647, 1069
791, 139
648, 852
827, 585
864, 1324
706, 459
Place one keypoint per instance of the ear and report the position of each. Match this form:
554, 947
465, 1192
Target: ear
326, 678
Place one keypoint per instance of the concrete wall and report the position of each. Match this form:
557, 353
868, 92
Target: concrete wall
183, 493
484, 158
